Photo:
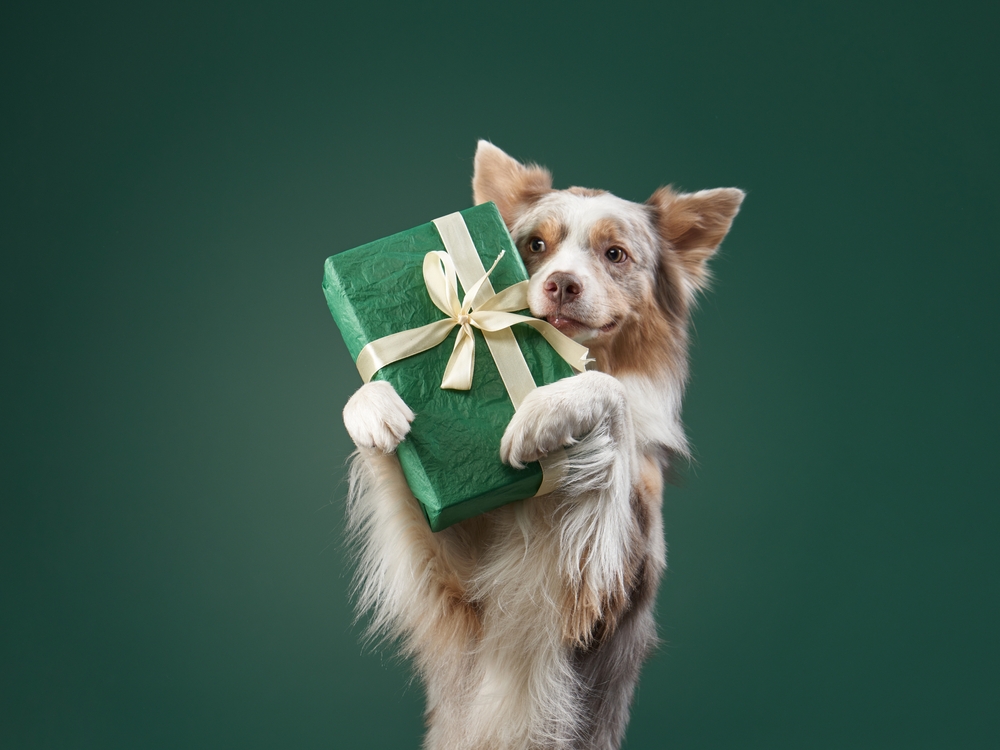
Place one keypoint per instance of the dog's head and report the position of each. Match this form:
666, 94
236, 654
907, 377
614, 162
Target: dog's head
618, 276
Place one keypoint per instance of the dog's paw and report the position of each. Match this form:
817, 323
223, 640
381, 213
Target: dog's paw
557, 415
531, 434
376, 417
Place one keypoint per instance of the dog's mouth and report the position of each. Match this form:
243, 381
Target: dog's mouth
573, 328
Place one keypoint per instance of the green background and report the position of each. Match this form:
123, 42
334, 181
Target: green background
171, 513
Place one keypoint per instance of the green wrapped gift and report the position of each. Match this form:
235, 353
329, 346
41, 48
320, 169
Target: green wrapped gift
460, 361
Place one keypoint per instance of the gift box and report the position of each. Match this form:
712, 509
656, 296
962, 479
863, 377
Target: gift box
478, 354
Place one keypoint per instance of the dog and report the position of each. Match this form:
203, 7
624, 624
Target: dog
528, 625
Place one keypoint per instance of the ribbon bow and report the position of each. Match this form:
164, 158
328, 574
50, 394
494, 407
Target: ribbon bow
493, 314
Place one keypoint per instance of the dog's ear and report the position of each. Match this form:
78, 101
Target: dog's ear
694, 225
507, 182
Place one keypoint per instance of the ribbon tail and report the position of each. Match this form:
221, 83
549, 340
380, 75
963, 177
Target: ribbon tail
576, 355
396, 346
553, 471
439, 278
461, 363
473, 291
511, 299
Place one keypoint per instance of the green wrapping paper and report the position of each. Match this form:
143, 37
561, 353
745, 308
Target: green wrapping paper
451, 457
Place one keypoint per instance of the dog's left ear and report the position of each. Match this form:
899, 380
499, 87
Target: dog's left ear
694, 225
505, 181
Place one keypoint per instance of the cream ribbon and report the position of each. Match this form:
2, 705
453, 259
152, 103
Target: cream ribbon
482, 308
492, 315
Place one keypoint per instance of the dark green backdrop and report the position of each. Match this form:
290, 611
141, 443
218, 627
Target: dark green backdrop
172, 568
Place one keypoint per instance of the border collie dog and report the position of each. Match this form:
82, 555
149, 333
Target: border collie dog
528, 625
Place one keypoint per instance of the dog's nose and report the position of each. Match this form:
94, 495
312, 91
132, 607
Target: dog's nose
562, 287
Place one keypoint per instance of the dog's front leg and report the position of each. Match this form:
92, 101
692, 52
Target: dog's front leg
406, 574
601, 544
560, 414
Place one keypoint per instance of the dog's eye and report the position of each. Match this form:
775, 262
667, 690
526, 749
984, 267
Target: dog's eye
536, 245
616, 255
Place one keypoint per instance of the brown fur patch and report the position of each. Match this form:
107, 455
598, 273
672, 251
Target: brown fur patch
592, 617
671, 295
651, 345
507, 182
641, 513
694, 224
461, 618
651, 485
471, 623
606, 233
552, 232
586, 192
583, 611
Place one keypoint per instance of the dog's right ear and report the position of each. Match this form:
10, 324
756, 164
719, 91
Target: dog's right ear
507, 182
694, 224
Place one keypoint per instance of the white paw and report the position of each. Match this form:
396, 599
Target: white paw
376, 417
557, 415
